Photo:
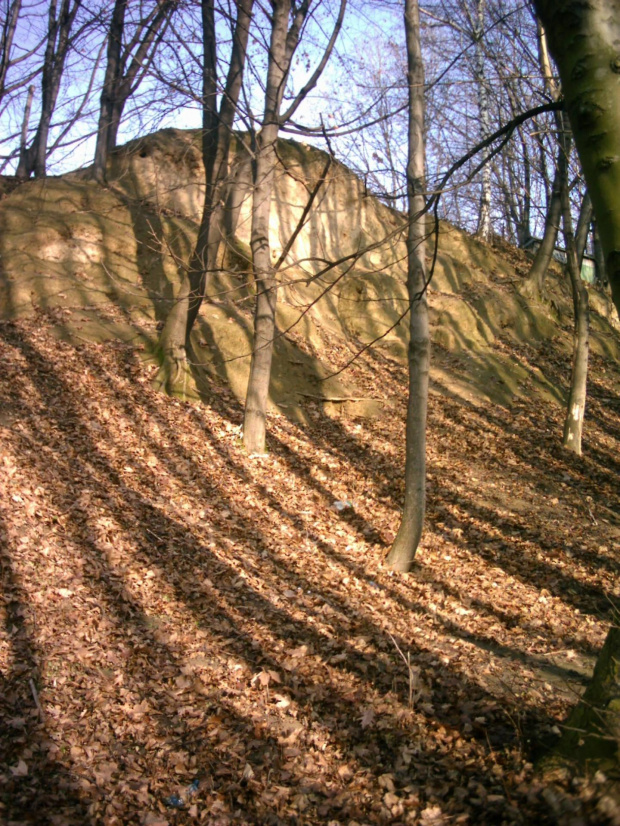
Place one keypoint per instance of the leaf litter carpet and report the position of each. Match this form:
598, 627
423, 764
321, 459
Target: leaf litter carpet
193, 635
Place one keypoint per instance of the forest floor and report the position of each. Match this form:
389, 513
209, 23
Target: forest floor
194, 635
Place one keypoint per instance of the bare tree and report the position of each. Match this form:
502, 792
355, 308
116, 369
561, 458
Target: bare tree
573, 423
407, 540
284, 40
122, 80
217, 133
9, 24
60, 23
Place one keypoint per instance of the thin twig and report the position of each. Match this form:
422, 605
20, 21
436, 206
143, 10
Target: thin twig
35, 697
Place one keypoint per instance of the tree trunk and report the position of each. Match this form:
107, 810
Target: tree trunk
216, 137
535, 281
23, 142
592, 732
254, 422
599, 257
583, 39
119, 85
113, 72
403, 551
6, 41
484, 220
583, 227
58, 42
284, 42
573, 424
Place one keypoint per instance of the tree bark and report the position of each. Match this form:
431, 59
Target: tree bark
484, 219
284, 42
573, 424
583, 38
119, 84
583, 227
599, 257
33, 160
402, 553
542, 259
6, 42
113, 72
254, 422
216, 138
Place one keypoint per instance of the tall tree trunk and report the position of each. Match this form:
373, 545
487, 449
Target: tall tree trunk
583, 39
254, 422
536, 277
34, 158
6, 41
284, 42
23, 141
113, 72
573, 424
484, 220
119, 84
216, 138
403, 551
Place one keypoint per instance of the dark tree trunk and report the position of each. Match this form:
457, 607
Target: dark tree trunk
583, 227
6, 42
584, 38
403, 551
573, 424
34, 158
113, 72
544, 253
216, 138
119, 85
599, 257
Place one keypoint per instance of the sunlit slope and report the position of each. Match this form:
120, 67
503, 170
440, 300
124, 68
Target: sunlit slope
106, 262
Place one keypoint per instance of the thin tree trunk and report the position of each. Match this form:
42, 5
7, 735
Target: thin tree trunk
21, 166
599, 257
254, 423
544, 253
484, 221
216, 138
284, 42
58, 42
583, 227
405, 545
6, 42
119, 85
573, 424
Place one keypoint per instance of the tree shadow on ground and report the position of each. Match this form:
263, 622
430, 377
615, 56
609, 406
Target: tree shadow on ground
157, 702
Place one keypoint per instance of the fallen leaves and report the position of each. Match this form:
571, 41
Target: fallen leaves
206, 629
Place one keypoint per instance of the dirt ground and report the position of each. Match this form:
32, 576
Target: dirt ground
194, 635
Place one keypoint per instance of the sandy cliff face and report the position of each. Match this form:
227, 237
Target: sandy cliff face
106, 262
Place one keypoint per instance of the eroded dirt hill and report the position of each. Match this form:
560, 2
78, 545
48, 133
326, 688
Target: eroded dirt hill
67, 244
194, 635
